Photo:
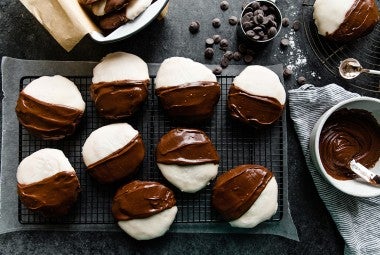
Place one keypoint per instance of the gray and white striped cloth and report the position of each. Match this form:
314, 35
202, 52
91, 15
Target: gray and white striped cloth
357, 219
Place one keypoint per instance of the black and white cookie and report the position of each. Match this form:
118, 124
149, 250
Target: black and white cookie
113, 152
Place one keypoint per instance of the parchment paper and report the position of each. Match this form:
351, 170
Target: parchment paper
64, 19
13, 70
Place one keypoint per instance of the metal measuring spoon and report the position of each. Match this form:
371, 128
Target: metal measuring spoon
351, 68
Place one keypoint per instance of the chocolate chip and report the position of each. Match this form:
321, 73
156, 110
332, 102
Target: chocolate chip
248, 59
224, 62
285, 22
272, 32
247, 25
237, 55
233, 20
229, 55
242, 48
216, 38
284, 42
257, 29
209, 42
264, 8
271, 17
296, 25
217, 70
257, 12
287, 72
224, 43
224, 5
301, 80
209, 53
256, 37
194, 27
216, 23
260, 18
250, 33
255, 5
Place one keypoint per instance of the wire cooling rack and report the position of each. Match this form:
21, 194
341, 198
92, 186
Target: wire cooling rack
236, 144
365, 49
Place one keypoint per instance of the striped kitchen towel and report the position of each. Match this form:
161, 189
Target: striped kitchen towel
357, 219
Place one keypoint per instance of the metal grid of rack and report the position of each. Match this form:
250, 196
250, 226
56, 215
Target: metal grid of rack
236, 144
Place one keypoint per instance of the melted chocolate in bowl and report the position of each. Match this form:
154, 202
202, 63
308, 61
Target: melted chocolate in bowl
346, 135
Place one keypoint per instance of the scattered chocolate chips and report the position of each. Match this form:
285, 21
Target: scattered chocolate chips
262, 23
216, 23
209, 53
216, 38
285, 22
248, 59
301, 80
237, 56
217, 70
284, 43
224, 62
229, 55
194, 27
209, 42
224, 43
233, 20
296, 25
224, 5
287, 72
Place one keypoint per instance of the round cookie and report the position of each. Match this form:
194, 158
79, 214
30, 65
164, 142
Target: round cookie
119, 85
113, 152
47, 183
257, 96
246, 195
144, 210
187, 90
345, 20
187, 159
50, 107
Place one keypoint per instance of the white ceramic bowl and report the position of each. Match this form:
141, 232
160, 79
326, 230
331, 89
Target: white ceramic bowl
134, 26
352, 187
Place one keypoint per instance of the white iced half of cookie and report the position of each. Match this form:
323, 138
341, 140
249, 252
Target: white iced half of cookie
136, 7
178, 70
119, 66
150, 227
261, 81
56, 90
42, 164
189, 178
329, 14
104, 141
262, 209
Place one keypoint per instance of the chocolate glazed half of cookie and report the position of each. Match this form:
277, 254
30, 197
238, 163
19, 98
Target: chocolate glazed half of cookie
359, 21
141, 199
119, 164
45, 120
119, 99
186, 147
236, 190
252, 109
349, 134
52, 196
190, 102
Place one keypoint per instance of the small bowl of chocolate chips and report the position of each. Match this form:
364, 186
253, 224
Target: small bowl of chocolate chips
260, 21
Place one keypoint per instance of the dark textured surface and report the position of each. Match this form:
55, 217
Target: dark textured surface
22, 36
